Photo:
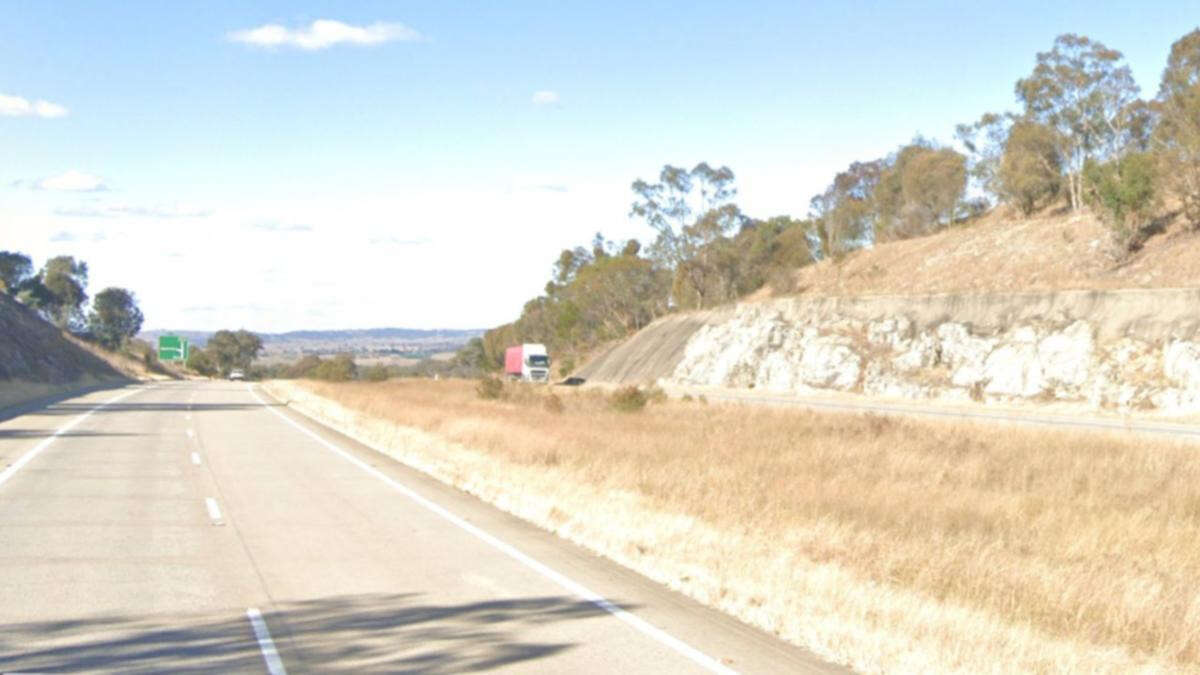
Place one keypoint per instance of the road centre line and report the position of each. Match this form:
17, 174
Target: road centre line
196, 458
265, 644
191, 433
214, 511
574, 587
28, 456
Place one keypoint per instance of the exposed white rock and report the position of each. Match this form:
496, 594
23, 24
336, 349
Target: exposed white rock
1054, 355
878, 382
1066, 357
1181, 363
922, 352
830, 363
1013, 370
1175, 400
964, 353
893, 332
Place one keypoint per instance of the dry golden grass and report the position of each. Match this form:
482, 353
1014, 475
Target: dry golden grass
887, 544
1003, 252
124, 363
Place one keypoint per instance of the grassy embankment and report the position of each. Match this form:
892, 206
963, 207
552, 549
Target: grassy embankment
882, 543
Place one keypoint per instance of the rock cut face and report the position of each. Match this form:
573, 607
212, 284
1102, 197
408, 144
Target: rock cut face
788, 348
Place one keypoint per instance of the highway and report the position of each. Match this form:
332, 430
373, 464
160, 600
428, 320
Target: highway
200, 526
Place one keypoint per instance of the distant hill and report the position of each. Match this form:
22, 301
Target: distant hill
199, 338
388, 346
195, 337
374, 333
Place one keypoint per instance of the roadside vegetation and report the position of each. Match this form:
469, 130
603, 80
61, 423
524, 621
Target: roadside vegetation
888, 544
57, 292
1081, 143
345, 368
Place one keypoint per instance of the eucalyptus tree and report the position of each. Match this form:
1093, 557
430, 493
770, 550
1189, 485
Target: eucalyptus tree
114, 318
689, 210
15, 268
1178, 130
1083, 91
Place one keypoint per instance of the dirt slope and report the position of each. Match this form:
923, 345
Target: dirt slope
36, 359
652, 353
1003, 252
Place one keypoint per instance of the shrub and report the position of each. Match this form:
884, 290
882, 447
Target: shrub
340, 368
655, 394
490, 388
201, 362
301, 367
627, 399
376, 373
1125, 191
566, 366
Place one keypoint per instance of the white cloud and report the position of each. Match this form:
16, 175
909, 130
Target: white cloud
15, 106
166, 211
72, 181
545, 97
324, 33
276, 226
390, 240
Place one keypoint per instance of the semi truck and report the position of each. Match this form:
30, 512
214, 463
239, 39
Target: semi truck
527, 362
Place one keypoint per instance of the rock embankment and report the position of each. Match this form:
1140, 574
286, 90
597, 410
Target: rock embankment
1111, 349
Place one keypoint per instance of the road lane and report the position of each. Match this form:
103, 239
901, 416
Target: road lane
107, 559
343, 572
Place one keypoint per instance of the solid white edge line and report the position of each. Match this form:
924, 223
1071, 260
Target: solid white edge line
28, 456
265, 644
579, 590
214, 511
196, 458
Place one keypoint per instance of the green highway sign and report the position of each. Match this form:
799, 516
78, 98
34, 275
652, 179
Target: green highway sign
172, 348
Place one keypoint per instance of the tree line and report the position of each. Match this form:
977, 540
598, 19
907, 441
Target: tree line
58, 292
1080, 137
224, 352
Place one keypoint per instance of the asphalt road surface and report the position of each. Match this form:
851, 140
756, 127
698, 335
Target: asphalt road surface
196, 526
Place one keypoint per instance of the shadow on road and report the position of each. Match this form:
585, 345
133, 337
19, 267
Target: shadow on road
361, 633
80, 408
47, 433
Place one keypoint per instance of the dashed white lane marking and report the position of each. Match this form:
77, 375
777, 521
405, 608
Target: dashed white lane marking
265, 644
579, 590
196, 458
214, 511
27, 457
191, 433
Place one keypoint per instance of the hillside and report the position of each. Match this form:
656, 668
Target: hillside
1000, 252
1002, 310
36, 359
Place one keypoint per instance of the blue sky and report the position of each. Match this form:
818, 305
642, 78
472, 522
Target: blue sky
415, 175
